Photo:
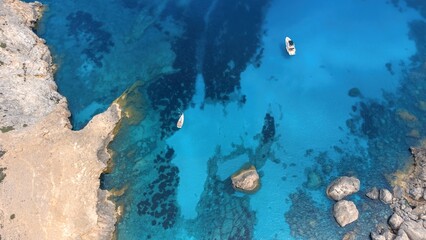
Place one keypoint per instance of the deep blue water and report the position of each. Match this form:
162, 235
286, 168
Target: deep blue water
351, 102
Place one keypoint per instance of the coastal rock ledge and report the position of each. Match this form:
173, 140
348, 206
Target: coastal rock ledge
49, 174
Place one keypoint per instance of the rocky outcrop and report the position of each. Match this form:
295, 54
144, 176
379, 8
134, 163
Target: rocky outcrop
408, 203
52, 178
49, 186
27, 88
246, 180
413, 230
343, 187
345, 212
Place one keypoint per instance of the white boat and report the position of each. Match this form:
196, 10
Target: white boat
179, 123
290, 46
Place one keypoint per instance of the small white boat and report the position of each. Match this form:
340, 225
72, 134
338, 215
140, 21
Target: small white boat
290, 46
179, 123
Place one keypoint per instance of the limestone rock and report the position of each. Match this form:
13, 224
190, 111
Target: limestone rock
350, 236
345, 212
395, 221
373, 193
376, 236
27, 88
402, 235
55, 171
385, 196
51, 183
414, 230
416, 192
247, 180
382, 232
343, 187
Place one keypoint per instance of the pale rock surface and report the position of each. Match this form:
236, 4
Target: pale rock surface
50, 188
343, 187
395, 221
246, 179
52, 179
345, 212
373, 193
27, 88
414, 230
402, 236
385, 196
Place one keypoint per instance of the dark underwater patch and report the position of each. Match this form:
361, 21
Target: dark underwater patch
171, 92
418, 34
268, 129
89, 32
233, 36
159, 199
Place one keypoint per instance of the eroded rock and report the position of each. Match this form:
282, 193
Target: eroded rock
385, 196
246, 180
345, 212
414, 230
373, 193
343, 187
51, 190
395, 221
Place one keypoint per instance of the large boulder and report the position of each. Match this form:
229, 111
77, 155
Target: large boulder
413, 230
385, 196
343, 187
395, 221
345, 212
246, 180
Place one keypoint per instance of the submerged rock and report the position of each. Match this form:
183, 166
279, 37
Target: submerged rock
343, 187
246, 180
373, 193
354, 92
345, 212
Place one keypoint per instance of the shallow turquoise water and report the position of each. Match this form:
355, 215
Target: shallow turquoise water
245, 101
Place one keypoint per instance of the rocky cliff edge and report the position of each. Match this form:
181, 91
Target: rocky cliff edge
49, 174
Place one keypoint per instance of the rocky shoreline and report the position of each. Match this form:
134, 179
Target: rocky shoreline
49, 174
407, 200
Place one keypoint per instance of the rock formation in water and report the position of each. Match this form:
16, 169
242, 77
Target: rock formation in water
408, 203
49, 174
345, 212
246, 180
342, 187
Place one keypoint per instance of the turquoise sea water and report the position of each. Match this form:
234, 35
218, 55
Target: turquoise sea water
350, 102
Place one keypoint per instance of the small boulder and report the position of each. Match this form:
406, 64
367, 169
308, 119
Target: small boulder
395, 221
345, 212
385, 196
376, 236
342, 187
373, 193
246, 180
350, 236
